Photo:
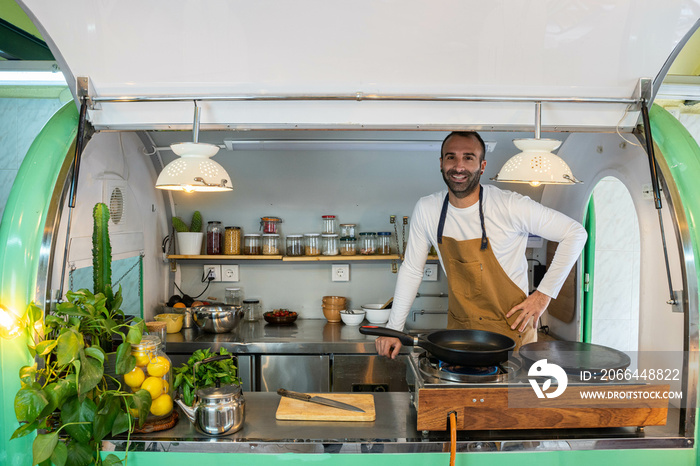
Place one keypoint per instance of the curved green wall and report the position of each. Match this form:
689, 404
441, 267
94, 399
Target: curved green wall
21, 232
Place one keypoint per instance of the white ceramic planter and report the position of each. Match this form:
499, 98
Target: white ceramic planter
189, 243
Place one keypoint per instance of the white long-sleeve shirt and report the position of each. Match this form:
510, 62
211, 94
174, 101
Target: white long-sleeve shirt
508, 218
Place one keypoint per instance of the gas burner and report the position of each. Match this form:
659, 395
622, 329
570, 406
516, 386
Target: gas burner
432, 368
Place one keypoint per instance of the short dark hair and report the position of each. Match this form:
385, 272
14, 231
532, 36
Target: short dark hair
466, 134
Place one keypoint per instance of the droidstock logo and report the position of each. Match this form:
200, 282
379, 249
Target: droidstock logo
544, 369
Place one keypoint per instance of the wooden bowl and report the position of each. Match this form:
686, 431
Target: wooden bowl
335, 300
332, 315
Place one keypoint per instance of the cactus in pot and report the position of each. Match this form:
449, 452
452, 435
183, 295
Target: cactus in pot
189, 238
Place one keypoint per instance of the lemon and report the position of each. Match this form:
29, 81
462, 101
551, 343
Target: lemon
154, 386
142, 358
158, 367
162, 406
134, 412
135, 378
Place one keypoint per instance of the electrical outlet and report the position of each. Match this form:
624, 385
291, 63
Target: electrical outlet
430, 273
210, 270
229, 273
340, 272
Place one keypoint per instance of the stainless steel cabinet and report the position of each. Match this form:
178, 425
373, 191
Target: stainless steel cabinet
300, 373
364, 373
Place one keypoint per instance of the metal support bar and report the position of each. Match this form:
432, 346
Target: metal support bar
654, 169
78, 152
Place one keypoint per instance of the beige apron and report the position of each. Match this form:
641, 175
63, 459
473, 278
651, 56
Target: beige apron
480, 291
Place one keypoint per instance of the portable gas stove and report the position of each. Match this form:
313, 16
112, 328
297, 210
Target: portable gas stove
502, 397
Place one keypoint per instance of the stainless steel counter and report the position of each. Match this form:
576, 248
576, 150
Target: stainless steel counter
305, 336
392, 432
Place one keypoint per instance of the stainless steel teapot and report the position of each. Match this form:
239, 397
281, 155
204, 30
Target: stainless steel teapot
216, 410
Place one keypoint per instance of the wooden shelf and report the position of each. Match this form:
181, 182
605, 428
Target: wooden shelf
336, 258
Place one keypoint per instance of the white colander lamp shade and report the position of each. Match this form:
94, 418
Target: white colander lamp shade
193, 170
536, 164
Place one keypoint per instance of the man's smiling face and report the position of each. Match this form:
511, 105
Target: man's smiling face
462, 164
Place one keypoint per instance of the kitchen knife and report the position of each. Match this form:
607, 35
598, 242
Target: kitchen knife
319, 400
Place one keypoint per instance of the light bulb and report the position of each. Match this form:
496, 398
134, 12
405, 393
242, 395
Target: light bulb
535, 183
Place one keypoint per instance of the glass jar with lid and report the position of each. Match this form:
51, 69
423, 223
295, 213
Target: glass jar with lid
368, 243
328, 224
348, 246
329, 244
270, 244
295, 245
312, 244
269, 224
347, 230
384, 242
215, 236
233, 296
251, 309
252, 244
232, 241
153, 374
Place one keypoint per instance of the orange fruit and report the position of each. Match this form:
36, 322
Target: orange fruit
197, 304
179, 305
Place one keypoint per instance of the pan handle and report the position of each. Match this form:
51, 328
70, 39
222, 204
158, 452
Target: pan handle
405, 338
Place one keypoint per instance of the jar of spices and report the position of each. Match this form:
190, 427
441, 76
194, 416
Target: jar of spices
232, 241
233, 296
329, 244
295, 245
215, 237
252, 244
384, 242
270, 244
152, 373
251, 309
347, 230
348, 246
328, 224
312, 244
368, 243
269, 224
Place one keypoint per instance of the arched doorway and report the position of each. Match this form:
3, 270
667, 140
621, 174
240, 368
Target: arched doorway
614, 287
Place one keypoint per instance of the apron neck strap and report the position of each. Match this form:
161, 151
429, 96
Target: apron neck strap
443, 216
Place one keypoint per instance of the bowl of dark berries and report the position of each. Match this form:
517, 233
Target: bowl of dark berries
280, 317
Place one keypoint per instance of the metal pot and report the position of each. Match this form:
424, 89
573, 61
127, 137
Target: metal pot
217, 410
217, 318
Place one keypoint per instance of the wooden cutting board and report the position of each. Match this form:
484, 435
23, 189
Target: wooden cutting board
294, 410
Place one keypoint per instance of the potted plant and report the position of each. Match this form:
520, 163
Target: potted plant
66, 395
189, 238
209, 374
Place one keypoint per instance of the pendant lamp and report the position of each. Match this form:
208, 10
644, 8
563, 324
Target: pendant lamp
193, 170
536, 164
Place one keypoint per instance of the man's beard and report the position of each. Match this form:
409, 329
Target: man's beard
464, 189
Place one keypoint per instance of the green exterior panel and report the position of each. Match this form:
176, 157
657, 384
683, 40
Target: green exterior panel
682, 155
553, 458
588, 269
21, 232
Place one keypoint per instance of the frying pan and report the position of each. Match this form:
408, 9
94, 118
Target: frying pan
462, 347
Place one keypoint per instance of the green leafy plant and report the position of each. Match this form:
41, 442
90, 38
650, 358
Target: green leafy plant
209, 374
195, 226
66, 395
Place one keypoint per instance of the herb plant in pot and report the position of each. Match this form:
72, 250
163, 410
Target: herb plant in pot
189, 238
66, 396
212, 398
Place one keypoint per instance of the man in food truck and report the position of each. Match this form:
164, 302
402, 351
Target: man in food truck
480, 233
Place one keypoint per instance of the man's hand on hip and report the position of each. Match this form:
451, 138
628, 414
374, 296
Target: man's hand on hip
530, 310
388, 346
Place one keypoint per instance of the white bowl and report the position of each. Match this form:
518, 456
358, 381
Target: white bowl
375, 315
355, 318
